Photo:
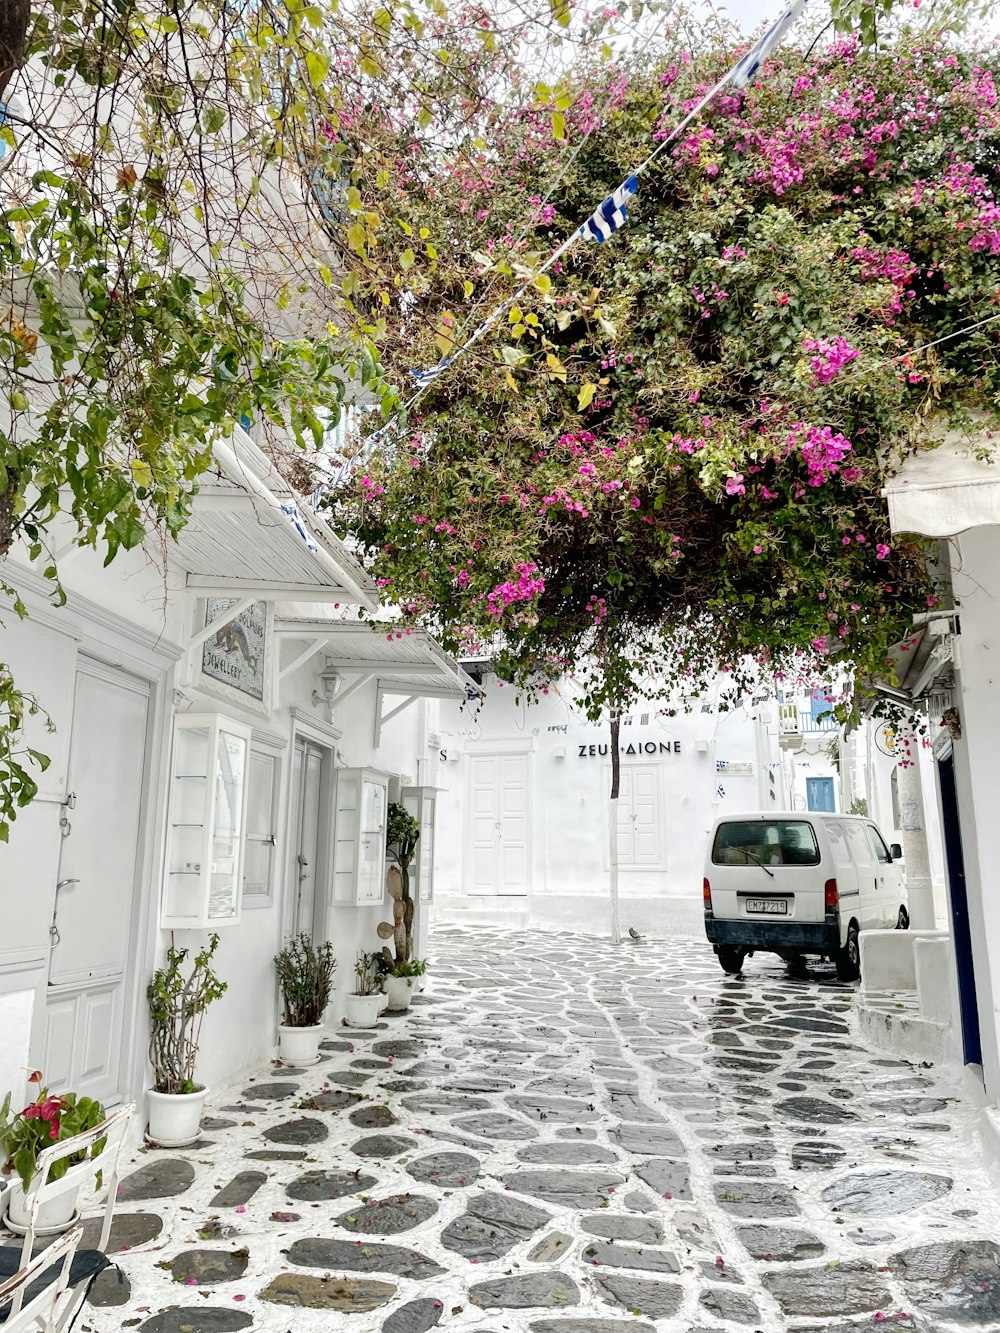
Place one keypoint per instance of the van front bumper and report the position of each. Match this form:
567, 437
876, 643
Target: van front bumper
821, 937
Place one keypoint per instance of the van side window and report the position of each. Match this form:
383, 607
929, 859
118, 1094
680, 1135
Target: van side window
878, 846
838, 844
860, 848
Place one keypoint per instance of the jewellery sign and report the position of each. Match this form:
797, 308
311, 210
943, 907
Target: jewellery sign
234, 654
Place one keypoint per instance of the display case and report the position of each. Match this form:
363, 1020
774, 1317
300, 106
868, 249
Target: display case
361, 806
421, 804
205, 837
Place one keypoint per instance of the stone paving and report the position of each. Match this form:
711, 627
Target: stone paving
565, 1137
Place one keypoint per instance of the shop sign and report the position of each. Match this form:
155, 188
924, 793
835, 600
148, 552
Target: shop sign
634, 748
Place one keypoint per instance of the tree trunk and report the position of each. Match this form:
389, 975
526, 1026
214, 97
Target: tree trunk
616, 934
14, 18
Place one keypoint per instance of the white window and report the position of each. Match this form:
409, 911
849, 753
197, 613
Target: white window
261, 828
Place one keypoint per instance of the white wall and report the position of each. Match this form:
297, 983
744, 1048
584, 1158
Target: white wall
976, 583
125, 616
569, 777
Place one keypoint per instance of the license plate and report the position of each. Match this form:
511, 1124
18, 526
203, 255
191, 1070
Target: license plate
770, 906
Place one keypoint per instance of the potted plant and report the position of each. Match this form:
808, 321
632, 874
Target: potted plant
48, 1119
366, 1001
305, 974
399, 969
399, 979
177, 1007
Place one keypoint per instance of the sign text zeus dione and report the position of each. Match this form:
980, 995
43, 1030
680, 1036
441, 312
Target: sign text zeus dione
643, 747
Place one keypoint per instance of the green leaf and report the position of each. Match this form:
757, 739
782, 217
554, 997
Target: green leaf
558, 125
212, 119
586, 396
317, 64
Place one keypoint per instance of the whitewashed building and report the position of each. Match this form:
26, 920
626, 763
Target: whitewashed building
949, 667
227, 737
523, 823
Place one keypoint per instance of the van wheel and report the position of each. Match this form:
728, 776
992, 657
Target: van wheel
848, 959
903, 920
731, 958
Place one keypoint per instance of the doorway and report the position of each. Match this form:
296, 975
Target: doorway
310, 777
954, 859
640, 821
500, 843
91, 932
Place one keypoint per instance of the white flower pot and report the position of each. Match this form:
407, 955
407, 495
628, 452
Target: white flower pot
175, 1117
299, 1046
398, 992
362, 1011
54, 1217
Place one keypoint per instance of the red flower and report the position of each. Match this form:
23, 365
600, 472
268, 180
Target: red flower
50, 1109
54, 1130
32, 1112
35, 1076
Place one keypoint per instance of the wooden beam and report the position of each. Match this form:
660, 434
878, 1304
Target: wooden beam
302, 657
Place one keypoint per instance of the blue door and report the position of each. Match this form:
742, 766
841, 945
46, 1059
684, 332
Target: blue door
819, 795
961, 930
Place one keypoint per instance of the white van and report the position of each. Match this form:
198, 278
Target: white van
800, 883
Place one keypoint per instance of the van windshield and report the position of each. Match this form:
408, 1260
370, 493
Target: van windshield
765, 842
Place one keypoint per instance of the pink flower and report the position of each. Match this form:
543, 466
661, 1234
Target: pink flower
757, 550
882, 551
734, 485
833, 354
241, 1208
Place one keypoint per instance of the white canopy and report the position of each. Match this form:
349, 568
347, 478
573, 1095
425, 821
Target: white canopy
943, 491
251, 535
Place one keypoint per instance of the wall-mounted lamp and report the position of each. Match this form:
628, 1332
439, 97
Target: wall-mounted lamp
559, 752
701, 747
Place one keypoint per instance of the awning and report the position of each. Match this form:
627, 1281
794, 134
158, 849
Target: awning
251, 536
409, 664
943, 491
922, 663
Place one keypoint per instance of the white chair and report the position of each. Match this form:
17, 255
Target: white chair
87, 1263
30, 1299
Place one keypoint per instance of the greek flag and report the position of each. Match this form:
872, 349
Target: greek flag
291, 512
755, 57
421, 378
611, 215
721, 791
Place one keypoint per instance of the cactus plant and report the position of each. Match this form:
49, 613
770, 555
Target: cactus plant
402, 835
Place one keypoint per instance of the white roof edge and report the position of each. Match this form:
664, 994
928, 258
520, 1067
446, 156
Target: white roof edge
463, 683
246, 464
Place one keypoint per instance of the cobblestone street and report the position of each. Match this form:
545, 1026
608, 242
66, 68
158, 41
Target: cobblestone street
565, 1137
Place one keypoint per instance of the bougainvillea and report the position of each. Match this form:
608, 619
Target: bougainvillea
671, 456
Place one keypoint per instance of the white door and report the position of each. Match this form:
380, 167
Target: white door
308, 779
640, 842
498, 806
95, 894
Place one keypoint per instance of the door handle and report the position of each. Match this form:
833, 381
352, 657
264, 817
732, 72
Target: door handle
64, 883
